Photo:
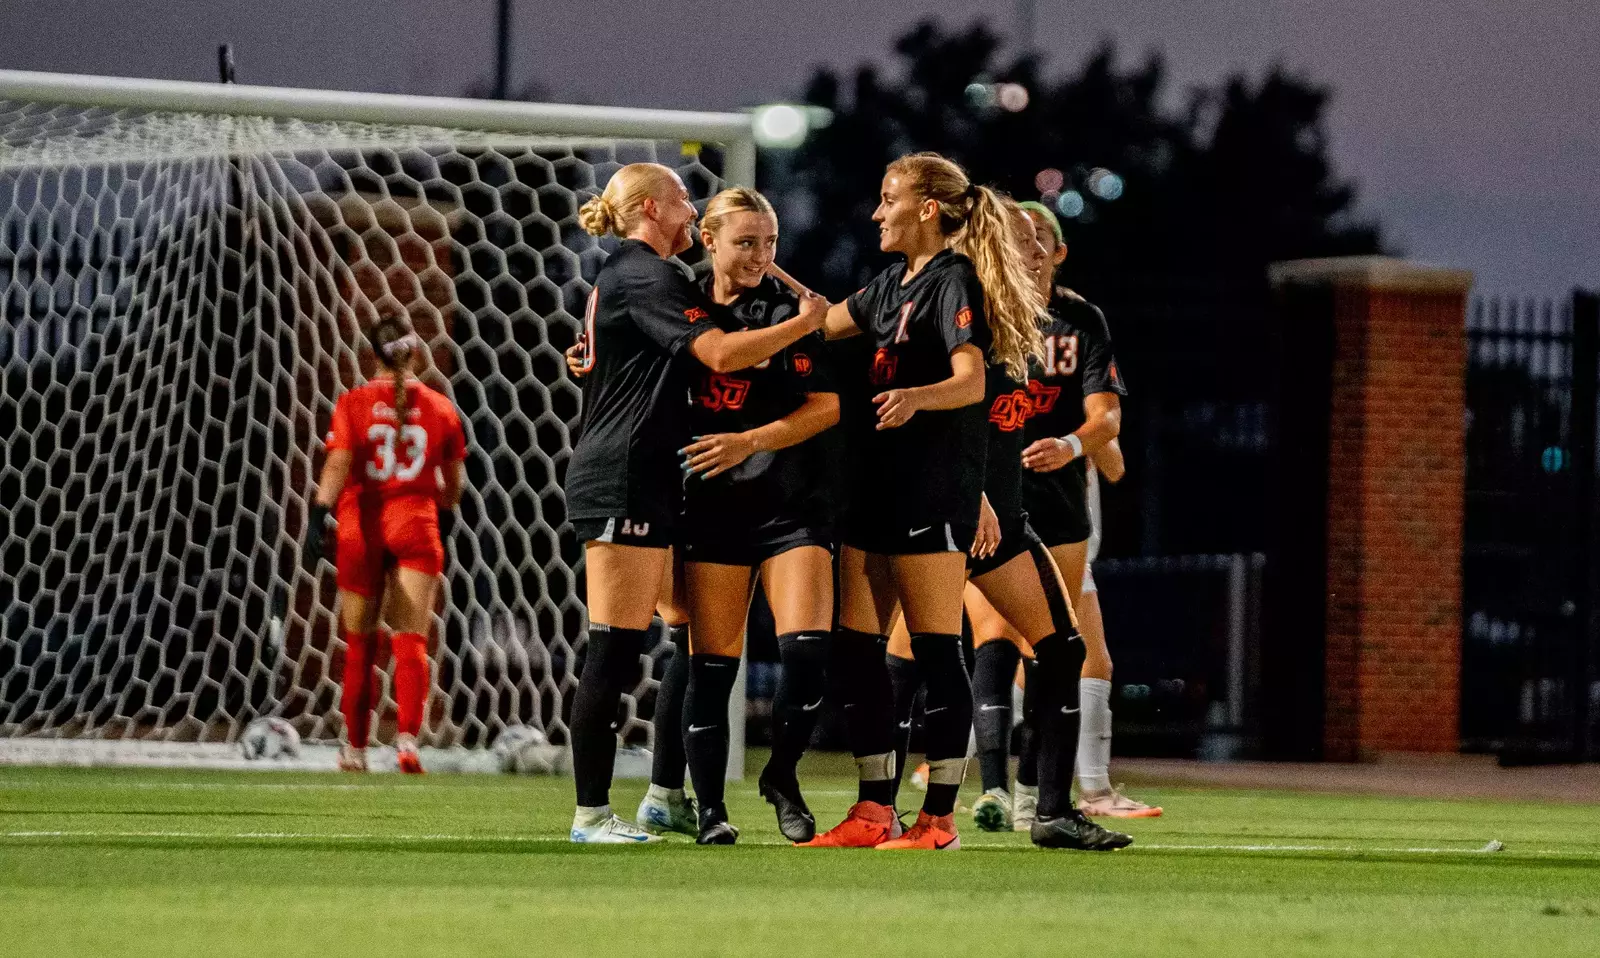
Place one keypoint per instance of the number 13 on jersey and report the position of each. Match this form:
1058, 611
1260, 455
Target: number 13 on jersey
384, 465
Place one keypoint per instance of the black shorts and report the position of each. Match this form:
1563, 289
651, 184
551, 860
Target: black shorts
903, 541
743, 545
1061, 521
646, 533
1057, 504
1016, 537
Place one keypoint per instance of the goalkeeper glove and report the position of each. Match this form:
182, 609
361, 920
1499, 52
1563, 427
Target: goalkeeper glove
316, 549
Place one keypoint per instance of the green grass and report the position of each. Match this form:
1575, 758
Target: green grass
215, 864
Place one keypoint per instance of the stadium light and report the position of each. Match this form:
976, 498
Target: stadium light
1013, 97
784, 126
1105, 184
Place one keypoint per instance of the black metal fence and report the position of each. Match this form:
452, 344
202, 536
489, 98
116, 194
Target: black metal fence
1529, 648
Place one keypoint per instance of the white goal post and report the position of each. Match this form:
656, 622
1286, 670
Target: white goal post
184, 271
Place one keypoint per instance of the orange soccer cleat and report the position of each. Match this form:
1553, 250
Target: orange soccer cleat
407, 759
867, 825
931, 833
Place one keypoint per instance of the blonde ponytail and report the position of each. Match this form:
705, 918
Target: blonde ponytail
975, 219
618, 207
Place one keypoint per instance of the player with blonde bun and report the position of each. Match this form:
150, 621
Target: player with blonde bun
647, 329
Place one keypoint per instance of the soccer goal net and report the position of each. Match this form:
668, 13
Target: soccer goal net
185, 272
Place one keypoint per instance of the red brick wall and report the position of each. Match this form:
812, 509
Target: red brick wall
1396, 472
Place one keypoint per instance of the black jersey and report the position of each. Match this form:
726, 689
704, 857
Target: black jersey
1009, 405
643, 314
1077, 362
931, 469
785, 483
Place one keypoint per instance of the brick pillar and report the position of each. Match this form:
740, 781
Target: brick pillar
1396, 467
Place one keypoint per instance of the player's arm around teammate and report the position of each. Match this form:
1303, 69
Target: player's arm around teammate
396, 454
755, 501
644, 322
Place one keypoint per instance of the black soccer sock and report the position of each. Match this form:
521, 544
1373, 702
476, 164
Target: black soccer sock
991, 709
947, 716
610, 667
666, 765
1028, 745
856, 668
798, 702
711, 679
1060, 658
906, 679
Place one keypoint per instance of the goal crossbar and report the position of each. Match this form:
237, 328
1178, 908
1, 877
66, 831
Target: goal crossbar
732, 130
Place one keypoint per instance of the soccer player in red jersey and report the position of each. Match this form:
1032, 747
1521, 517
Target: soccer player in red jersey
396, 455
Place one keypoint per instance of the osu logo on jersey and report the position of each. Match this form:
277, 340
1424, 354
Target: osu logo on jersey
884, 364
1042, 398
802, 364
1011, 410
964, 317
694, 314
719, 391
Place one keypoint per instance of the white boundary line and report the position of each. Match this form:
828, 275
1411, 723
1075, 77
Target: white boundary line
544, 839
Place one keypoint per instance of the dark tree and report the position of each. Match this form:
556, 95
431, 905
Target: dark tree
1238, 179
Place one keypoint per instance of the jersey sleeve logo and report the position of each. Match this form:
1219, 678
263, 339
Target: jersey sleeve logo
802, 364
694, 314
884, 365
1042, 398
1116, 377
1011, 410
964, 317
719, 391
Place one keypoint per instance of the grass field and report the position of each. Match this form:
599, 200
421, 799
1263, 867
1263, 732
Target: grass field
121, 862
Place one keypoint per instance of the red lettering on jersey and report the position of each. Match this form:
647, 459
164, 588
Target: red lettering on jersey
802, 364
1011, 410
1042, 398
964, 317
719, 391
884, 364
694, 314
1116, 377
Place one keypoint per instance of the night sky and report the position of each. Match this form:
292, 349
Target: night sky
1472, 127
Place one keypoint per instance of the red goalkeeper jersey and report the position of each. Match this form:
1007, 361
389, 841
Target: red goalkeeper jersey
391, 459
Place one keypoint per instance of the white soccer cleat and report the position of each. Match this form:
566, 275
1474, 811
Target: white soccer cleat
352, 759
1113, 804
1024, 808
992, 811
609, 830
659, 816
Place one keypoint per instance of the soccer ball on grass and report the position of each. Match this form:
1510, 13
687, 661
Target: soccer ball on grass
269, 738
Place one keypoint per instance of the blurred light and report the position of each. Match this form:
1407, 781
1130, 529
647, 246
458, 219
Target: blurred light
1553, 459
1105, 184
1070, 204
781, 125
1013, 97
1049, 180
980, 95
